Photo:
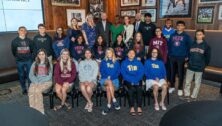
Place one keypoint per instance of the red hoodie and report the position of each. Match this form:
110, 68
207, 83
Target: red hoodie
65, 75
161, 44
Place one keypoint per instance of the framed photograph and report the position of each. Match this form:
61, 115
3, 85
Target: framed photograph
151, 11
79, 14
96, 7
175, 8
148, 3
130, 13
66, 2
220, 13
125, 3
205, 15
210, 1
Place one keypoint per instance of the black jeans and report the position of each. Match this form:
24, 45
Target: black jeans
132, 90
177, 64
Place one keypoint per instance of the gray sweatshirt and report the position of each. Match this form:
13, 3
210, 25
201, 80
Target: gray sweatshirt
88, 71
41, 76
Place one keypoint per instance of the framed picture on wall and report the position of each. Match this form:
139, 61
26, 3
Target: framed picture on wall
79, 14
175, 8
130, 13
66, 2
96, 7
205, 15
125, 3
210, 1
148, 3
220, 13
151, 11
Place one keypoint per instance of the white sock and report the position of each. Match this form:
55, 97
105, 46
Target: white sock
114, 99
109, 105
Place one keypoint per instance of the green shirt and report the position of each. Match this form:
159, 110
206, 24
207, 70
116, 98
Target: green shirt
115, 31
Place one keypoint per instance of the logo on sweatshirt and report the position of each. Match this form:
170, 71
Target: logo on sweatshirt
79, 49
110, 65
155, 66
132, 68
198, 50
177, 40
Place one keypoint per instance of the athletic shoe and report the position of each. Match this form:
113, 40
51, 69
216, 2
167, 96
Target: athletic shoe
116, 105
180, 92
171, 90
106, 110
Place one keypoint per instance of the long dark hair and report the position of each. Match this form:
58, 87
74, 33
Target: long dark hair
159, 55
141, 42
90, 50
37, 62
56, 36
97, 43
122, 44
83, 40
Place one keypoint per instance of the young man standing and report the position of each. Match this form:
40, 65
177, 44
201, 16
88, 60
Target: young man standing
22, 48
168, 30
43, 41
178, 49
147, 29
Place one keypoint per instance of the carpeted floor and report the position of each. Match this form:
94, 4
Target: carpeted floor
79, 117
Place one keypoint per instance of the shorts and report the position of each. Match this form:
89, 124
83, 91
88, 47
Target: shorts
150, 83
115, 83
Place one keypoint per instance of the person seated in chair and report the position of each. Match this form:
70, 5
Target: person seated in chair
41, 80
156, 76
88, 72
110, 70
132, 71
64, 74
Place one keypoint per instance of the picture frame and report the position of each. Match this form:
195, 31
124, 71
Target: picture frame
80, 14
210, 1
151, 11
130, 13
205, 15
179, 9
66, 3
125, 3
220, 13
148, 3
96, 7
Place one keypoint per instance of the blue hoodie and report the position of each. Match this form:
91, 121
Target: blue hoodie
179, 45
60, 44
132, 71
155, 69
168, 32
109, 70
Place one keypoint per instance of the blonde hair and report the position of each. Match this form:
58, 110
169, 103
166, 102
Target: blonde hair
113, 53
61, 63
77, 27
87, 19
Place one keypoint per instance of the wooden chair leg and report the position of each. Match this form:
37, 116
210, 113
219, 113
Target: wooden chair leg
72, 100
77, 99
50, 101
148, 97
168, 97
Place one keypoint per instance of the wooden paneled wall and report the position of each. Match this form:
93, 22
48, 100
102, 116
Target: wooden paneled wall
55, 16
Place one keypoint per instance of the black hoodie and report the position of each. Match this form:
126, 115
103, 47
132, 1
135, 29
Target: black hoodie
22, 49
43, 42
199, 56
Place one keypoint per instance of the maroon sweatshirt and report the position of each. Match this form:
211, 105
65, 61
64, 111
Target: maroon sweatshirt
161, 44
65, 75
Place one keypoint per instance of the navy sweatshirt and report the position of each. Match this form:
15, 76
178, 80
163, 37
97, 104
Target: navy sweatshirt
199, 56
120, 50
179, 45
43, 42
109, 69
132, 71
77, 50
99, 52
60, 44
22, 49
155, 69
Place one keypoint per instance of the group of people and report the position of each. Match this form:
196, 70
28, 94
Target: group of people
111, 55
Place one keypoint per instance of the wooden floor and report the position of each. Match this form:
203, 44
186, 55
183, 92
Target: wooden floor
79, 117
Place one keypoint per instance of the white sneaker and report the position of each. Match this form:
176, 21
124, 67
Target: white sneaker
163, 107
171, 90
180, 92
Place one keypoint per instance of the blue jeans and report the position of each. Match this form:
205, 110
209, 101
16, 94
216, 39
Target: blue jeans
23, 72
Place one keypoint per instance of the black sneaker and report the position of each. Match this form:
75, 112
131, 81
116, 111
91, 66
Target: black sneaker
106, 110
24, 92
116, 105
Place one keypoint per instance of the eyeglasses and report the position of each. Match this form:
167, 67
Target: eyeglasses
155, 52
